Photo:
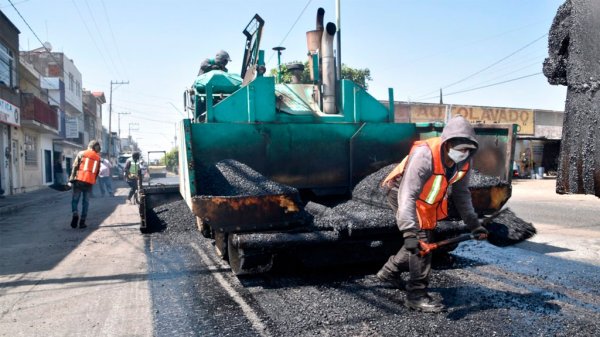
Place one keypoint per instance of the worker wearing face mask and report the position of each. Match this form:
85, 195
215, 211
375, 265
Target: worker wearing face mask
418, 195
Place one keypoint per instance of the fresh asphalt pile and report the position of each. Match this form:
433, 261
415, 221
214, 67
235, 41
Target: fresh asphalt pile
232, 178
573, 48
369, 189
175, 218
366, 214
294, 301
507, 229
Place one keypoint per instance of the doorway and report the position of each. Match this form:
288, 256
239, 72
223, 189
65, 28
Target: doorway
16, 172
69, 165
48, 166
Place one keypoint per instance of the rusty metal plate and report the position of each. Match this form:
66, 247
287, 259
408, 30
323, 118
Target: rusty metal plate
249, 213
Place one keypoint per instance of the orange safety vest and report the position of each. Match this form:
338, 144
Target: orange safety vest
432, 204
88, 167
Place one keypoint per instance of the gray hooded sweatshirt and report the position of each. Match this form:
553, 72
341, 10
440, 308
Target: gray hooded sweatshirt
419, 169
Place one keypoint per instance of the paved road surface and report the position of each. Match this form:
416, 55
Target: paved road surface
109, 280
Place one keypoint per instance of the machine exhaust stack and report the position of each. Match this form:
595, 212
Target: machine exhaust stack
328, 69
313, 40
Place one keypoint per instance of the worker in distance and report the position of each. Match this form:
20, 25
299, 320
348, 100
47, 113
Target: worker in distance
418, 194
218, 63
83, 177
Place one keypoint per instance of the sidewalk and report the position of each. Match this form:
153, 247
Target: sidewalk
13, 203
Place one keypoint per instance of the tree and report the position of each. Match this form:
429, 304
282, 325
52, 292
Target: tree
171, 160
358, 76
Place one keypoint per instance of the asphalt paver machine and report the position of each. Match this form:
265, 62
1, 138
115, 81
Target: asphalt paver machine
260, 162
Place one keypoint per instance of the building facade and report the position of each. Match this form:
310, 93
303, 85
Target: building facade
40, 126
62, 80
10, 119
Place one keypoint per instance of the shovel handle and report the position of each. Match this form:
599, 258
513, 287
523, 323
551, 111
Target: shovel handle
426, 248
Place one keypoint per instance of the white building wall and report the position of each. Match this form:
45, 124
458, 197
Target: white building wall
72, 79
31, 174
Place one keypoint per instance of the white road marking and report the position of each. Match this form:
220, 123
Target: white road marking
251, 315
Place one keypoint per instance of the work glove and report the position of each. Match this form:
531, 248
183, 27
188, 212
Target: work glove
411, 243
479, 232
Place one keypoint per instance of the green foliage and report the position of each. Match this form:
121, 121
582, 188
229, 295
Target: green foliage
358, 76
171, 160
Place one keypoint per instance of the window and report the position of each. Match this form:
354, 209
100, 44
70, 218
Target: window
71, 82
8, 73
30, 150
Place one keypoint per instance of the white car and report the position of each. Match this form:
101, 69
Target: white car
121, 160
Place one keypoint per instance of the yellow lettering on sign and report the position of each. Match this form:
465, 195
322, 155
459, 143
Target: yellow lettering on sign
487, 115
427, 113
521, 117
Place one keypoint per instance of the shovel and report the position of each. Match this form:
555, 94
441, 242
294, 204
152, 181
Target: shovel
427, 248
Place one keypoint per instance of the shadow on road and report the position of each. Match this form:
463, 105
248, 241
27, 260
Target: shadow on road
38, 237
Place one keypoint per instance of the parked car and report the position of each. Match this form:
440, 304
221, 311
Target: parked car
121, 160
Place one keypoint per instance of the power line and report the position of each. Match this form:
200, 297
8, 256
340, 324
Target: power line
60, 65
485, 86
100, 36
16, 3
420, 58
37, 37
488, 67
537, 62
90, 34
113, 37
289, 31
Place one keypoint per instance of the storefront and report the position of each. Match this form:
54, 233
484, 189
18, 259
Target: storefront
9, 148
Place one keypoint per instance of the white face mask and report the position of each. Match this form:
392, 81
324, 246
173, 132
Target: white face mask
457, 156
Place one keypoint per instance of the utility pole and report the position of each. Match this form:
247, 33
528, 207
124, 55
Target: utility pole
119, 120
130, 124
110, 138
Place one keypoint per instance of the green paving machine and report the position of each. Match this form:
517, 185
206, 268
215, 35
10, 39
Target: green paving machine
321, 138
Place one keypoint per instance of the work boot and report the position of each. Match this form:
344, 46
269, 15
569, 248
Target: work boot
74, 221
421, 301
82, 223
390, 278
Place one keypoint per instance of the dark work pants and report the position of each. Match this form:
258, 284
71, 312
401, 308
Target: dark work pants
418, 266
134, 186
81, 191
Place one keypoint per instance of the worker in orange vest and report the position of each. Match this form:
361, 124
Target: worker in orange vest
418, 195
85, 171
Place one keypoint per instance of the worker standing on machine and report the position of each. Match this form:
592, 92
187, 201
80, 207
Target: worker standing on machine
218, 63
417, 194
83, 177
133, 175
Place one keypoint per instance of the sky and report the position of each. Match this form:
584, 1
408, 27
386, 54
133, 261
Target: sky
480, 52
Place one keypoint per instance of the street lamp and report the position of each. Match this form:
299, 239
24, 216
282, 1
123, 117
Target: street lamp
278, 50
